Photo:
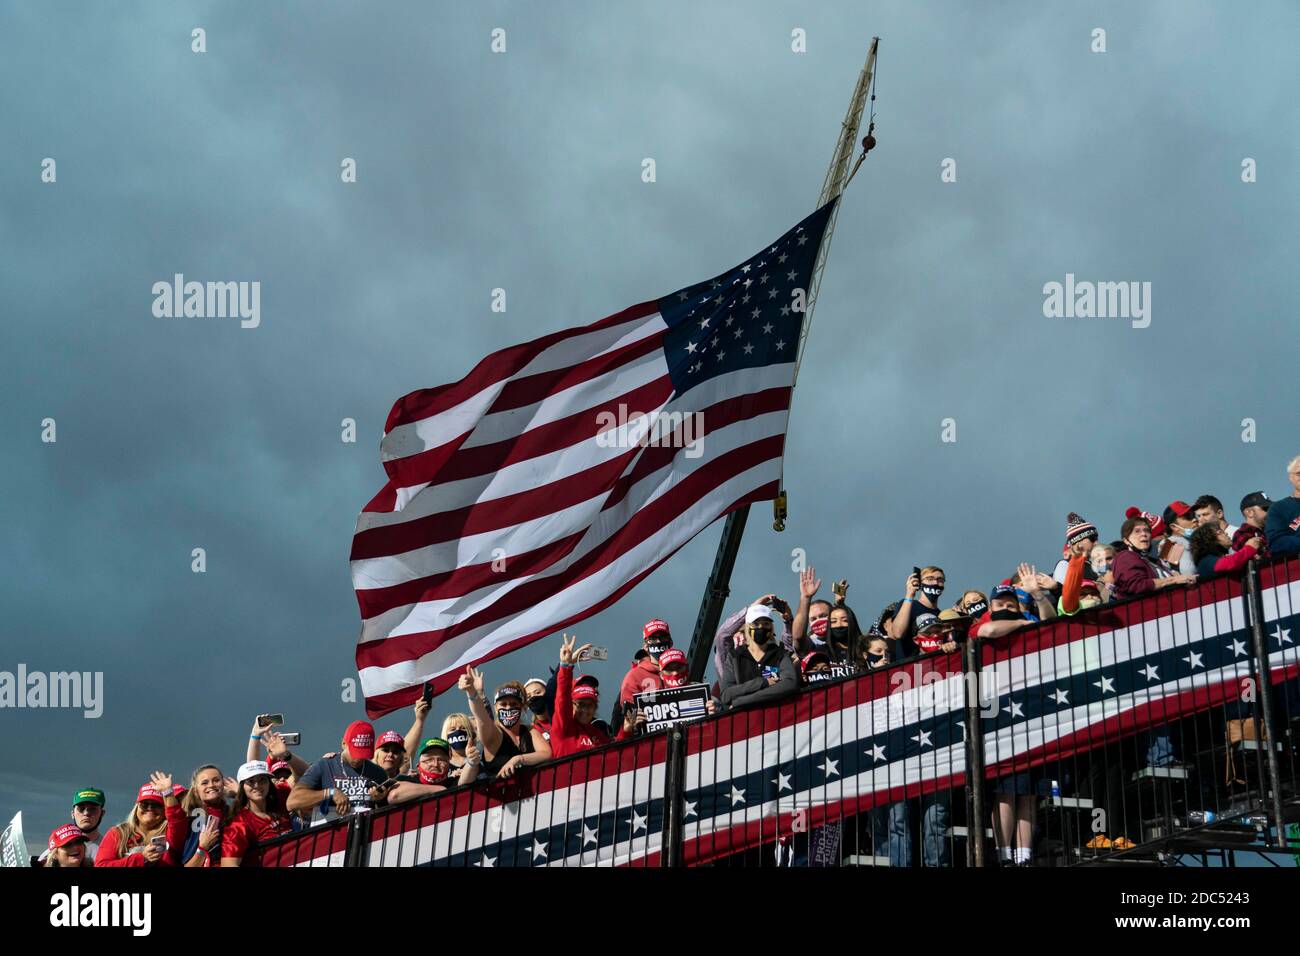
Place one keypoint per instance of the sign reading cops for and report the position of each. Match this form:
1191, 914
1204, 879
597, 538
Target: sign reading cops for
673, 705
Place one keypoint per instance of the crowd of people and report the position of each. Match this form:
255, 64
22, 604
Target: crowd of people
219, 820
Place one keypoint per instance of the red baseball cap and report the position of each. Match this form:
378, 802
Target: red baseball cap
585, 692
671, 656
812, 658
277, 765
1180, 508
655, 627
360, 739
65, 835
148, 792
390, 737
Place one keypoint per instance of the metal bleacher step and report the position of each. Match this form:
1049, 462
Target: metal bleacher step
1066, 803
1261, 745
962, 833
1161, 773
863, 859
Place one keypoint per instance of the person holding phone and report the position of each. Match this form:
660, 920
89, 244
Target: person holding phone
919, 607
760, 670
731, 632
257, 816
141, 839
335, 786
264, 736
573, 726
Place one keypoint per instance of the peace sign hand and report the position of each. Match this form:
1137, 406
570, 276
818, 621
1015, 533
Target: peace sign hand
475, 679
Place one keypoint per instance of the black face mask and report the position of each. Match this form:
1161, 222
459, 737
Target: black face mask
762, 637
537, 705
838, 635
932, 591
976, 608
1006, 616
458, 740
875, 660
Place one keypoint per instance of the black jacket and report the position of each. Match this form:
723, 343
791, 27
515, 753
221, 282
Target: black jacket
742, 677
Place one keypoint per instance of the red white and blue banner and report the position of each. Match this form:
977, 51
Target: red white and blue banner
839, 749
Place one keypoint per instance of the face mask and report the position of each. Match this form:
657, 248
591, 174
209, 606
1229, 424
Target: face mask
509, 716
1186, 532
1100, 567
839, 635
762, 636
976, 608
537, 705
932, 591
1006, 616
654, 650
427, 776
1087, 602
458, 740
819, 626
674, 680
875, 660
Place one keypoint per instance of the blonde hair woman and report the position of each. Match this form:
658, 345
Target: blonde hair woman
141, 839
205, 810
458, 730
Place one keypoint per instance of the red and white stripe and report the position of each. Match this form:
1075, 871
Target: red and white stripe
505, 520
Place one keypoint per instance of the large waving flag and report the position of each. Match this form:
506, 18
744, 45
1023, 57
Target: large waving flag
541, 487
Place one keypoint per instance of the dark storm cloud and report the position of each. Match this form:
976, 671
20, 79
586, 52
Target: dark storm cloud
521, 171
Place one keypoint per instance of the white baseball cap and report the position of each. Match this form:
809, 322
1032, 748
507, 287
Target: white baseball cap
758, 612
252, 769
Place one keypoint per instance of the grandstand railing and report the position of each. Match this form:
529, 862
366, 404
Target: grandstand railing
1130, 731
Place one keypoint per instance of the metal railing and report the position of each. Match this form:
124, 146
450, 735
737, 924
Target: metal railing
1137, 731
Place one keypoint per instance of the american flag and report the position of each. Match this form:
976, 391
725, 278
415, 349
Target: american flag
515, 506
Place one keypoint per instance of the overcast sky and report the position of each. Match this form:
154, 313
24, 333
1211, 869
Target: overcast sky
522, 170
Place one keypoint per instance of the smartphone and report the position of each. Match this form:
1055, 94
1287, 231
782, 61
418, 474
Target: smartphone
159, 841
291, 738
428, 692
596, 654
917, 572
270, 720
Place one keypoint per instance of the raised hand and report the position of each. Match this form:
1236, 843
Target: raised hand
809, 583
231, 787
913, 585
275, 745
162, 782
422, 708
1028, 576
476, 679
210, 835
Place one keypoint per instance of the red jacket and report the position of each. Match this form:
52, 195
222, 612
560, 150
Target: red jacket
643, 676
111, 854
567, 735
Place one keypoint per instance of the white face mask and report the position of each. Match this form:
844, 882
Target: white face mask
1087, 602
